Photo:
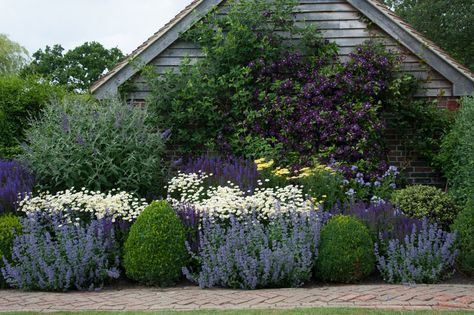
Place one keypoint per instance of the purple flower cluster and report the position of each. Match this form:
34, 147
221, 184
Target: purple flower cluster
325, 108
15, 182
55, 255
249, 254
241, 172
427, 255
383, 218
191, 219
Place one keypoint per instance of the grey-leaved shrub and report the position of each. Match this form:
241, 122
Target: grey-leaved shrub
79, 142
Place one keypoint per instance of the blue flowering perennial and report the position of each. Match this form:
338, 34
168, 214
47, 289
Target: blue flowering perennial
54, 255
15, 182
425, 256
249, 254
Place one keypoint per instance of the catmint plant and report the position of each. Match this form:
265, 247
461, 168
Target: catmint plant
16, 181
427, 255
54, 254
251, 254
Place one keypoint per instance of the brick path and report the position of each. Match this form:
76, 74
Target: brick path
446, 296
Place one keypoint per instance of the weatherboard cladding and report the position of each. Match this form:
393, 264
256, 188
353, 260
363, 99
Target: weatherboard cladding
339, 22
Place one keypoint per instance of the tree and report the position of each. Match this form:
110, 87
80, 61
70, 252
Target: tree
12, 55
450, 24
76, 69
20, 100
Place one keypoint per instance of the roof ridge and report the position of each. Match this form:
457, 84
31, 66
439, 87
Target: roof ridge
421, 37
153, 38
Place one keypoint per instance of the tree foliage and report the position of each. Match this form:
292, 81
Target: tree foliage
12, 55
21, 99
450, 24
77, 68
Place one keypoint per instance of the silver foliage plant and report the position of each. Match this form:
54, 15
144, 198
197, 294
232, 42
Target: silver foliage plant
79, 142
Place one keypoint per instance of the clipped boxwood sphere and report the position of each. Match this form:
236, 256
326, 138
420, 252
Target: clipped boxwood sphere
9, 226
419, 201
464, 225
155, 251
346, 252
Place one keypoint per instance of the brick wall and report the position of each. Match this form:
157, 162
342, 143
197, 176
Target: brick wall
416, 169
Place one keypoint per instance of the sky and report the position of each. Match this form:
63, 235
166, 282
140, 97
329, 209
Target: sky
113, 23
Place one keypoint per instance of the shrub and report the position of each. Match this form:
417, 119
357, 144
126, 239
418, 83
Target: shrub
346, 251
457, 153
464, 226
20, 99
155, 251
241, 172
80, 143
383, 219
425, 256
116, 204
249, 254
419, 201
55, 255
9, 227
16, 182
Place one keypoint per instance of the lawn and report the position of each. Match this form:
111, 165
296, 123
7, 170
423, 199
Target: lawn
321, 311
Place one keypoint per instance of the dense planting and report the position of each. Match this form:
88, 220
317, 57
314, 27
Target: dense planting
248, 254
271, 160
426, 255
116, 204
54, 255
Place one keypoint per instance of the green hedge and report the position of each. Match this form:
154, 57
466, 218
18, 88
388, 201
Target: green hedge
464, 225
457, 153
19, 100
9, 225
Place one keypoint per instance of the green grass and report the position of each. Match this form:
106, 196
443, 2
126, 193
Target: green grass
315, 311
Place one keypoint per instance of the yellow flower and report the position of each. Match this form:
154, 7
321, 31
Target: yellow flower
263, 166
260, 161
282, 172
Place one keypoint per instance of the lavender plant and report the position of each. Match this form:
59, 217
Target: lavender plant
241, 172
427, 255
191, 219
55, 255
249, 254
15, 183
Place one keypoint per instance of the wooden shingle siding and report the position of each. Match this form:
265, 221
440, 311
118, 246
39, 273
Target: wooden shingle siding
339, 22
